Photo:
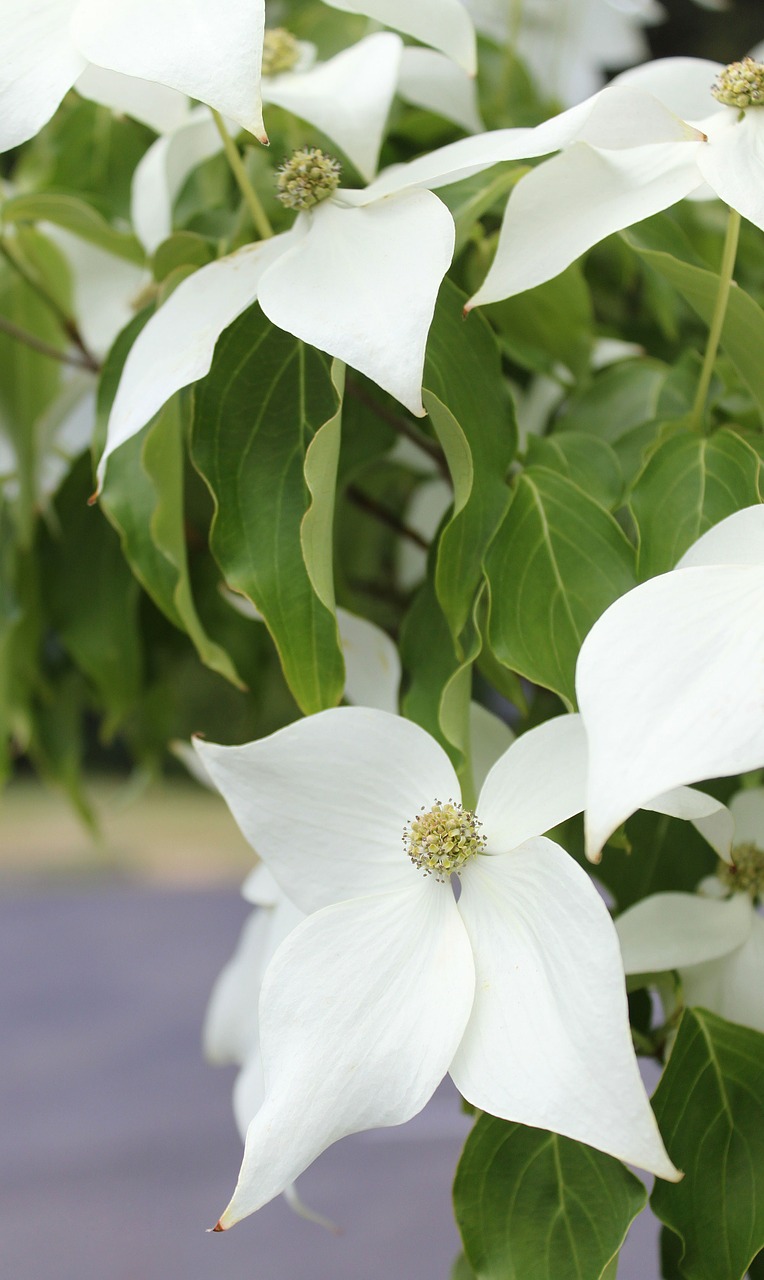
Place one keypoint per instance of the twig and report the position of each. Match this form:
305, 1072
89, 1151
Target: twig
67, 322
398, 423
44, 348
374, 508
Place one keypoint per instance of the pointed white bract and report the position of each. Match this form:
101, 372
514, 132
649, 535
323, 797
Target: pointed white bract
714, 939
517, 987
571, 202
355, 277
212, 53
670, 680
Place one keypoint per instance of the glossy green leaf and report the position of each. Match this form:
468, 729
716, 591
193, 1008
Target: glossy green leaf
74, 215
473, 416
688, 485
258, 421
660, 854
143, 499
743, 332
181, 249
710, 1107
531, 1205
555, 565
588, 461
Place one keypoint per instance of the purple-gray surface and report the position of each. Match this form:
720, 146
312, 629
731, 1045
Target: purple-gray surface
117, 1146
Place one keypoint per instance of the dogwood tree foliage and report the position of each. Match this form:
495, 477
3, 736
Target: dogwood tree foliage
455, 391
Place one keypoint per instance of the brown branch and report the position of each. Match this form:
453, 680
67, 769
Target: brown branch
68, 323
44, 348
374, 508
398, 423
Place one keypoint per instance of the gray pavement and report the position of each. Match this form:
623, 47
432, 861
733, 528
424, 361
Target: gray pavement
117, 1147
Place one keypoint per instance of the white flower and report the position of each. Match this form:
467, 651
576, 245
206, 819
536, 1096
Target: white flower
715, 938
670, 680
571, 202
389, 982
348, 98
358, 274
569, 44
212, 52
209, 52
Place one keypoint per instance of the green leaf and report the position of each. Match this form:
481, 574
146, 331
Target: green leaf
93, 598
548, 325
143, 499
439, 680
743, 333
473, 417
710, 1107
555, 565
662, 854
589, 462
688, 485
74, 215
531, 1205
461, 1269
182, 249
258, 423
620, 406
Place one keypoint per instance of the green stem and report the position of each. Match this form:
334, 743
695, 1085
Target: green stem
259, 216
717, 320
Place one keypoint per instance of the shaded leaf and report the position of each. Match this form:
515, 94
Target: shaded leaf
143, 499
555, 565
688, 485
75, 215
257, 414
473, 416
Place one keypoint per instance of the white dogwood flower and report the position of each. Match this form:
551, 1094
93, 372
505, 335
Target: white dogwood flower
358, 274
572, 201
348, 97
209, 52
714, 939
389, 982
670, 680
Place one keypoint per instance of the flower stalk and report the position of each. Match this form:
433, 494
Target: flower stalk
252, 200
729, 254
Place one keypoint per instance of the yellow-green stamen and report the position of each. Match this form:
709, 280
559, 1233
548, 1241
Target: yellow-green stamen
440, 840
307, 178
281, 51
745, 874
741, 84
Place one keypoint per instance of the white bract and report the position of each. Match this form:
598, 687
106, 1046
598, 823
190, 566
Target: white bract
571, 202
715, 938
358, 274
348, 98
670, 680
389, 982
209, 52
569, 44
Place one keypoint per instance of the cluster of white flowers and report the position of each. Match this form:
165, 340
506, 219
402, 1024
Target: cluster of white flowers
363, 977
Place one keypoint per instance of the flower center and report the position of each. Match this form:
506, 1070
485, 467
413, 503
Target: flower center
281, 51
741, 84
440, 840
745, 874
308, 177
